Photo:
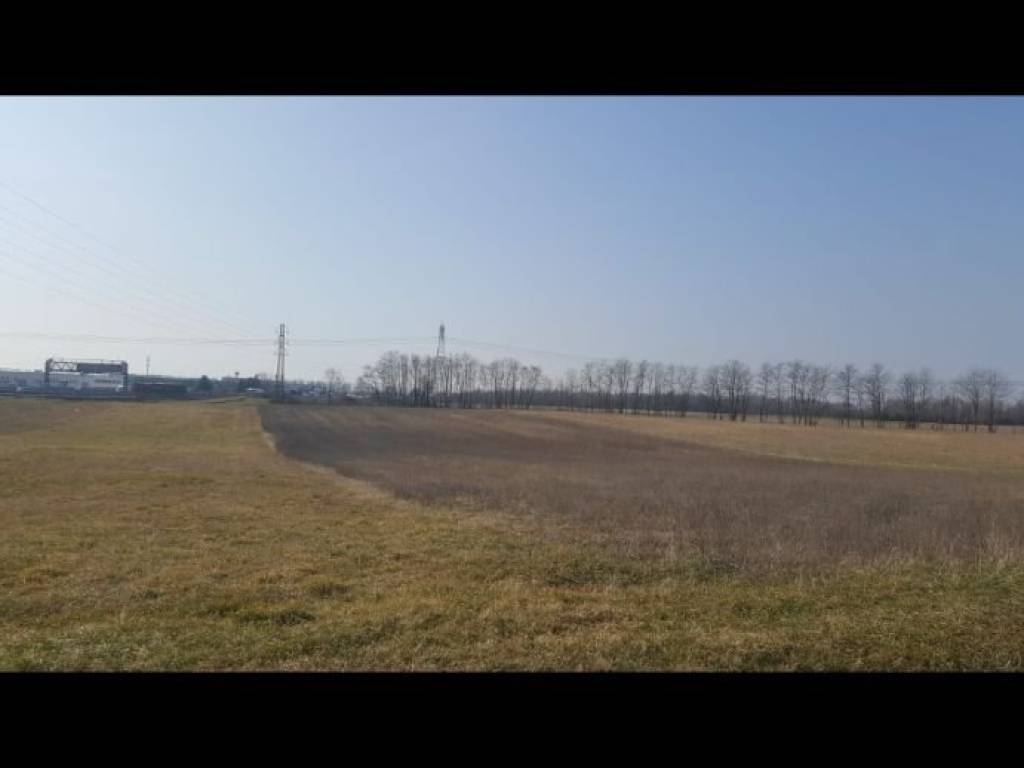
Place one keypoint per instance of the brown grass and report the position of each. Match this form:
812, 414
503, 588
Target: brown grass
924, 448
664, 489
172, 536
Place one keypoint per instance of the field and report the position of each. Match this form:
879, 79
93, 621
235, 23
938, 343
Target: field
662, 488
175, 536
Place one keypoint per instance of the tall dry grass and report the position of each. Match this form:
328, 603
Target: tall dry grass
656, 495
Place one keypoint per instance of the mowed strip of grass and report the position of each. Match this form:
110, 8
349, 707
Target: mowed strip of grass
171, 536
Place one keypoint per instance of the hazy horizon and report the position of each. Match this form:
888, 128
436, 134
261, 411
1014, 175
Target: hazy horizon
682, 230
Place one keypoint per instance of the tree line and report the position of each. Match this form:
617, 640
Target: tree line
795, 392
451, 381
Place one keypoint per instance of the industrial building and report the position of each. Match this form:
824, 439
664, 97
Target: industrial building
14, 380
111, 379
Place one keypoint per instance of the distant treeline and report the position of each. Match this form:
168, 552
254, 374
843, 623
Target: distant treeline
792, 392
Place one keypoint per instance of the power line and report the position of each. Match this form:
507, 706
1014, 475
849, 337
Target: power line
296, 341
182, 340
119, 298
377, 340
268, 341
215, 340
122, 257
164, 319
512, 348
178, 307
122, 308
292, 342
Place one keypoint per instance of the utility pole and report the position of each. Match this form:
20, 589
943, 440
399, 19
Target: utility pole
279, 375
440, 342
439, 368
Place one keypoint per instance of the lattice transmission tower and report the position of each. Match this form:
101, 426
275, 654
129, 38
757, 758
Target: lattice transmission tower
442, 379
282, 344
440, 342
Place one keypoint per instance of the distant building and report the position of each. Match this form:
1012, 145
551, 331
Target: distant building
12, 380
160, 389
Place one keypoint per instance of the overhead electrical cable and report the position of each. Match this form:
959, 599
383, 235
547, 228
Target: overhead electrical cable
298, 341
512, 348
122, 258
379, 340
88, 337
119, 273
119, 299
124, 312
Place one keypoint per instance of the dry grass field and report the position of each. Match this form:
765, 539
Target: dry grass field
664, 487
174, 536
892, 446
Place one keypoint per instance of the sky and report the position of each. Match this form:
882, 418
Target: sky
685, 230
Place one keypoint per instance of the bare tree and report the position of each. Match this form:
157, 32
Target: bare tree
907, 390
686, 381
572, 386
780, 388
513, 368
819, 378
335, 383
608, 385
590, 383
530, 379
712, 386
640, 375
621, 374
735, 379
496, 380
846, 379
876, 389
369, 384
765, 380
972, 387
660, 381
996, 387
746, 385
925, 391
469, 373
794, 377
942, 405
859, 392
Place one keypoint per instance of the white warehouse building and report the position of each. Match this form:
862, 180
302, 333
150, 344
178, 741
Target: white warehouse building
12, 380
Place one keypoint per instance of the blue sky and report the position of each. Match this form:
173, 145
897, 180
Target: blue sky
687, 230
